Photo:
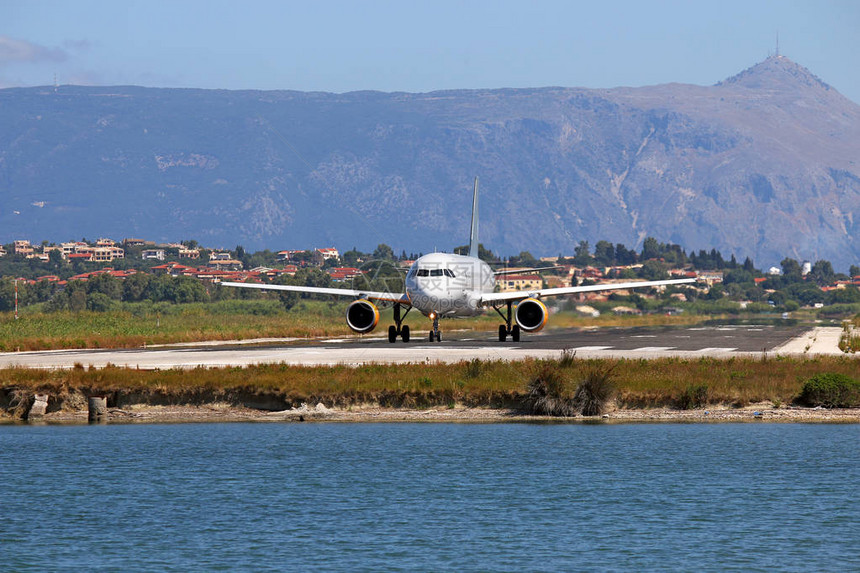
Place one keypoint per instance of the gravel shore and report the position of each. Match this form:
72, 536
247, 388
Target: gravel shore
218, 412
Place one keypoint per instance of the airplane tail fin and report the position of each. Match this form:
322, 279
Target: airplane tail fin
473, 234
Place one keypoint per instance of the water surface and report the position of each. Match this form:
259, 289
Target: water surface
486, 497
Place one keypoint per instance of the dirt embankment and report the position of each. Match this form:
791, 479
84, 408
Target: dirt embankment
70, 406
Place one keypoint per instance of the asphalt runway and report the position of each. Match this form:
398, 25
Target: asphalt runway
722, 341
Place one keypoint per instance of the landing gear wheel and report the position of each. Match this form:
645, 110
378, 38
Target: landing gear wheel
435, 332
398, 328
508, 327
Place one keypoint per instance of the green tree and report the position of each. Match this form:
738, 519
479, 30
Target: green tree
483, 253
76, 292
854, 271
383, 252
650, 249
624, 256
55, 260
99, 302
287, 298
525, 259
160, 289
843, 295
822, 273
582, 254
105, 284
604, 253
187, 289
265, 258
791, 270
7, 294
740, 276
351, 257
716, 292
653, 270
807, 294
134, 287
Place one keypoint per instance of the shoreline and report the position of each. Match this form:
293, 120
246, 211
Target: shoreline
226, 413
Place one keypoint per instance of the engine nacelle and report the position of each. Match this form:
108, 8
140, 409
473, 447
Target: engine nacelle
531, 315
362, 316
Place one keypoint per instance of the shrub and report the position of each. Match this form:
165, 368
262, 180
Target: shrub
474, 368
693, 396
567, 358
548, 393
595, 390
830, 390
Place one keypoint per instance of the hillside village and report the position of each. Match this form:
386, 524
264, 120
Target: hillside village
786, 288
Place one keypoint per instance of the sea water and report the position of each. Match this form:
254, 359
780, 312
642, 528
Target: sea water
430, 497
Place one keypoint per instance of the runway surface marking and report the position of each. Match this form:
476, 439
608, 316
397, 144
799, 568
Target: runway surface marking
721, 341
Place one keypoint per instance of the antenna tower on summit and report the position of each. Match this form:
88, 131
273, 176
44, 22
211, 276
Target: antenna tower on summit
777, 43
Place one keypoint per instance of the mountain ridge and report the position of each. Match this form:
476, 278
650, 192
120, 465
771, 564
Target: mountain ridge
762, 164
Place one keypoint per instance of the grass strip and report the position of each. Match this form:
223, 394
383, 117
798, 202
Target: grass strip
139, 324
666, 382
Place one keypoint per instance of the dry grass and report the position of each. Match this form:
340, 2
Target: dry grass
138, 325
638, 383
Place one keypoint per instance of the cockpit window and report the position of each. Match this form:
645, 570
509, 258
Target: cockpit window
434, 273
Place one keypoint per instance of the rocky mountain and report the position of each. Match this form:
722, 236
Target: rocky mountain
763, 164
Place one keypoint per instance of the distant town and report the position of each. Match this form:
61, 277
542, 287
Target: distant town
48, 268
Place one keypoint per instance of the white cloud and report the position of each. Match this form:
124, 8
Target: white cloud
22, 51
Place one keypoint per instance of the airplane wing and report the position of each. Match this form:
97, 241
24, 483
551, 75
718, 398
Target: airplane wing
369, 295
497, 297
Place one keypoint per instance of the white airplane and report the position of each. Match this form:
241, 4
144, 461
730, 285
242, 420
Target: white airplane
441, 285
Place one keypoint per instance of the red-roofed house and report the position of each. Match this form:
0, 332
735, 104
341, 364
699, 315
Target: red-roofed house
344, 273
173, 269
330, 253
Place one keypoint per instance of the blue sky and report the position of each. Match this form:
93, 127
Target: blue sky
419, 46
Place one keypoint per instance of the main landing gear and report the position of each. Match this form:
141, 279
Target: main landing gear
508, 328
435, 334
401, 330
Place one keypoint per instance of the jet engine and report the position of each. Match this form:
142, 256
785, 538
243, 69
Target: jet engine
531, 314
362, 316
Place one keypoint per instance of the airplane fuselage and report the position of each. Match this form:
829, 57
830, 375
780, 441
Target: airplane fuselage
448, 285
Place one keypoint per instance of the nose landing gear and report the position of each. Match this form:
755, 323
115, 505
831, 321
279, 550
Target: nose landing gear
435, 334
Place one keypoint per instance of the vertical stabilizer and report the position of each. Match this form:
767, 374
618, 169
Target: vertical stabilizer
473, 234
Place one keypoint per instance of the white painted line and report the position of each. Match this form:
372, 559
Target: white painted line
653, 349
716, 349
586, 348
